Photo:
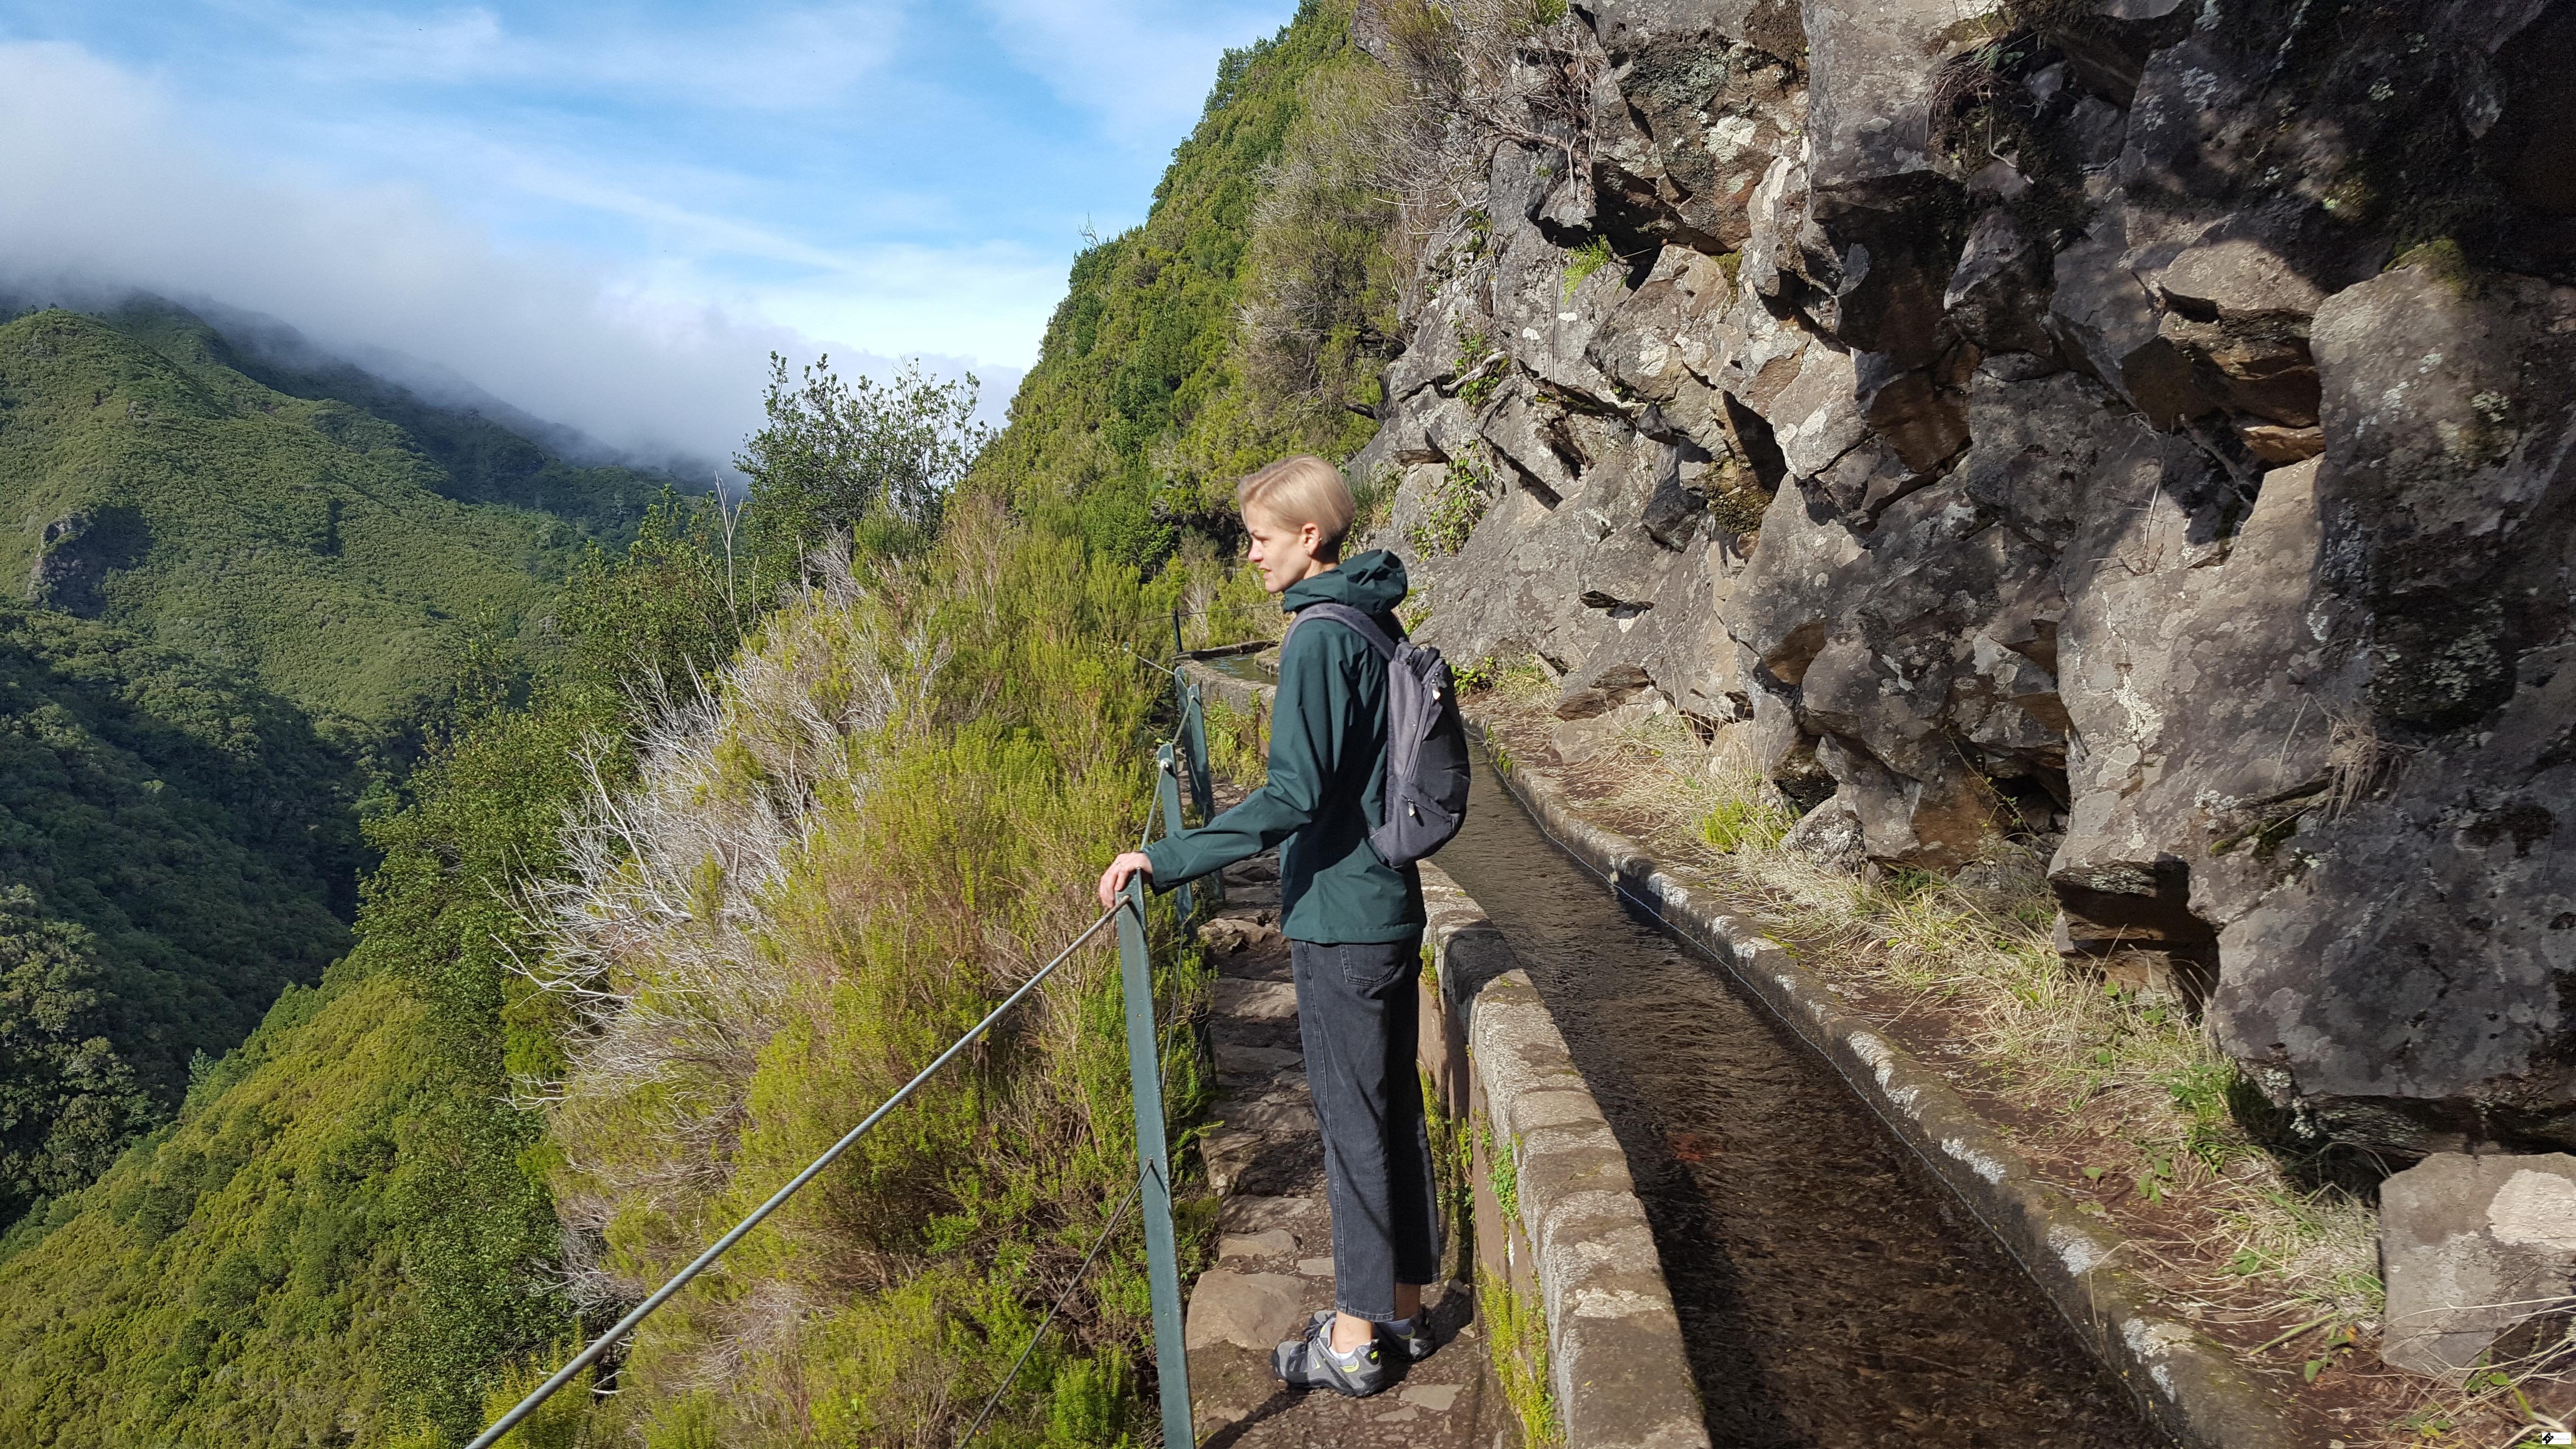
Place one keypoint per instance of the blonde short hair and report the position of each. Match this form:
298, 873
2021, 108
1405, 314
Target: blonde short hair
1302, 490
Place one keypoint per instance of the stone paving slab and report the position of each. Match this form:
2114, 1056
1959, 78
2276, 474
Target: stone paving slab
1275, 1239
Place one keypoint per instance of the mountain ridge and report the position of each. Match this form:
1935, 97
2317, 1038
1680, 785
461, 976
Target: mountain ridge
341, 555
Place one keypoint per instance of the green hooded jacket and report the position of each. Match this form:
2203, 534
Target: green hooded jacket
1327, 784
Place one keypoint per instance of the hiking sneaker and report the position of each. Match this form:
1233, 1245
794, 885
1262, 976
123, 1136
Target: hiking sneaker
1409, 1347
1415, 1343
1308, 1362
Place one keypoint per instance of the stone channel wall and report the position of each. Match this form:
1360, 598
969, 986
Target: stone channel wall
2142, 428
2191, 1387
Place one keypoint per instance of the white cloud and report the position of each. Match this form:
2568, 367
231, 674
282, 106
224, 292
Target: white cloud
107, 183
774, 61
1142, 65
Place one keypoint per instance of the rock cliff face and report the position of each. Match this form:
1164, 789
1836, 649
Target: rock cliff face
2136, 428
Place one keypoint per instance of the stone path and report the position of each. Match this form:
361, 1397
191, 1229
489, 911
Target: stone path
1275, 1253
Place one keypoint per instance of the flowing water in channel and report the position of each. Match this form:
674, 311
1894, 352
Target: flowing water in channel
1832, 1292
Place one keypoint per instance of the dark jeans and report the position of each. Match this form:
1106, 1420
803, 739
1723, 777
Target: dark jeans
1359, 1012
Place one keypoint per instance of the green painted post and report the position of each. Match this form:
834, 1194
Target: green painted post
1180, 688
1154, 1161
1202, 784
1194, 742
1167, 785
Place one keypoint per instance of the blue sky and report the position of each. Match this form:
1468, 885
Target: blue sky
529, 192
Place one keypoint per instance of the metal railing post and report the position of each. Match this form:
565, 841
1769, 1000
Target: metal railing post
1167, 786
1194, 751
1194, 744
1180, 656
1154, 1159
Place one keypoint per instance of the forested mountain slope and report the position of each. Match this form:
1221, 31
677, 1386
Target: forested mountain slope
335, 1241
1247, 317
176, 846
154, 484
489, 451
254, 577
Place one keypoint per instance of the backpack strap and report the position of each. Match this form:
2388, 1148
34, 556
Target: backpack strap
1346, 616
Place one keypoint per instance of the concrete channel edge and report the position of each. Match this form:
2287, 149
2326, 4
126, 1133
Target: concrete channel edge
2189, 1385
1576, 1235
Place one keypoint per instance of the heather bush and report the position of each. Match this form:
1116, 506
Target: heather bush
885, 815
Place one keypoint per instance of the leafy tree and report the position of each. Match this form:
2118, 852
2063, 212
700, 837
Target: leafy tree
671, 607
864, 458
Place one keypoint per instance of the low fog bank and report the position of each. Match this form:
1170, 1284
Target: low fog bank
110, 194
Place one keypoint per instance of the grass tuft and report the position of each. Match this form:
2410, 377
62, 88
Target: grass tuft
1454, 509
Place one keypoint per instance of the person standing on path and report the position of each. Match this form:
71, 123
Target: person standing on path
1353, 923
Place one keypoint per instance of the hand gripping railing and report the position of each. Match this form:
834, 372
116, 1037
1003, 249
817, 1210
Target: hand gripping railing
1153, 1153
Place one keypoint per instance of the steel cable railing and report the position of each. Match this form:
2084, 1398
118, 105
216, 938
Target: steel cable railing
1053, 1309
663, 1294
1144, 1062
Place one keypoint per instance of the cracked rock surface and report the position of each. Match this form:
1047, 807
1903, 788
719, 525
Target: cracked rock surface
2141, 438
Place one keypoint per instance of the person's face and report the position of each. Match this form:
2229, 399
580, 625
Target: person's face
1283, 554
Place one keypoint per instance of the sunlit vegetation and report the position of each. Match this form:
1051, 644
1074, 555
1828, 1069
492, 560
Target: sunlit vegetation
483, 1133
1248, 317
302, 538
886, 814
724, 818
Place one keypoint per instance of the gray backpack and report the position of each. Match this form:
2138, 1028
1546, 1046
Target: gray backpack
1426, 742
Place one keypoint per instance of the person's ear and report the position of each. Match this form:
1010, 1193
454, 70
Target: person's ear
1308, 536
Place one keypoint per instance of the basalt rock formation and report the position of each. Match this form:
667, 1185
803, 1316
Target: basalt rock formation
2138, 429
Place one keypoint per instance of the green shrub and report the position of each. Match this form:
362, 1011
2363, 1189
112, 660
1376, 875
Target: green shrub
879, 891
1238, 745
561, 1422
1475, 354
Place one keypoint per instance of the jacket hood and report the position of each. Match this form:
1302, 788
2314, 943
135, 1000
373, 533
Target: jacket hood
1372, 583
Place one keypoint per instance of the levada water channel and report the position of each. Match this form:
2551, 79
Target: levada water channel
1832, 1293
